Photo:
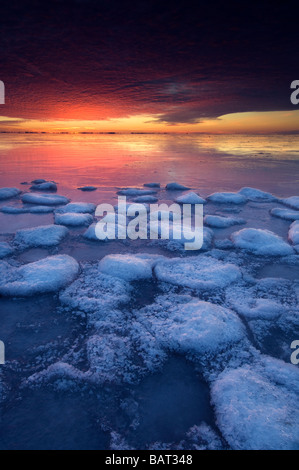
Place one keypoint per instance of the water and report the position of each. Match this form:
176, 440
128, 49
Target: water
162, 405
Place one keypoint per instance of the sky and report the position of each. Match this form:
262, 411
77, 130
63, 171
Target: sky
148, 66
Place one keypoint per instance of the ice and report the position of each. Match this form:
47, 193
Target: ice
96, 293
47, 186
14, 210
227, 198
222, 222
255, 412
127, 267
190, 198
73, 219
292, 202
261, 242
44, 199
38, 181
176, 187
77, 208
285, 214
259, 308
110, 218
47, 275
253, 194
88, 188
46, 235
7, 193
90, 233
5, 250
294, 233
149, 199
152, 185
41, 209
200, 272
134, 192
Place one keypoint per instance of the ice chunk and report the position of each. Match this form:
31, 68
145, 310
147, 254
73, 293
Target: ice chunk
5, 250
88, 188
14, 210
127, 267
46, 235
261, 242
227, 198
7, 193
47, 275
133, 192
253, 194
222, 222
152, 185
260, 308
294, 233
41, 209
149, 199
190, 198
254, 413
77, 208
44, 199
90, 233
47, 186
73, 219
38, 181
176, 187
200, 272
292, 202
285, 214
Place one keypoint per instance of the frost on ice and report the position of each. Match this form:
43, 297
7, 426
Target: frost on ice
7, 193
77, 208
46, 235
227, 198
47, 275
292, 202
261, 242
286, 214
257, 195
44, 199
46, 186
294, 233
127, 267
176, 187
5, 250
73, 219
190, 198
217, 221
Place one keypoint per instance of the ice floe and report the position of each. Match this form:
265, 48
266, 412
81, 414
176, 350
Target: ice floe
47, 186
46, 235
294, 233
261, 242
44, 199
292, 202
5, 250
149, 199
77, 208
253, 194
47, 275
227, 198
73, 219
7, 193
200, 272
190, 198
286, 214
26, 209
176, 187
255, 412
88, 188
152, 185
135, 192
127, 267
222, 222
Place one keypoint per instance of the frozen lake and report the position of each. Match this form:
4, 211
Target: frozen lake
154, 348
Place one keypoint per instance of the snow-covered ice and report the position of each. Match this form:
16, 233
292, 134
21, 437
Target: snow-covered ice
127, 267
7, 193
73, 219
261, 242
190, 198
176, 187
149, 199
47, 275
44, 199
256, 412
152, 185
200, 272
5, 250
26, 209
227, 198
88, 188
135, 192
44, 236
47, 186
292, 202
294, 233
286, 214
217, 221
253, 194
77, 207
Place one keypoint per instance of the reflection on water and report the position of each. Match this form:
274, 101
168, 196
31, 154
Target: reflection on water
204, 162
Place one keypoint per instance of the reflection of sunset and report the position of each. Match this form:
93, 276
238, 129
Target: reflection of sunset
254, 122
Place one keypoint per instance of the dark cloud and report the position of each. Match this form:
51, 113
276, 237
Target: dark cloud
183, 61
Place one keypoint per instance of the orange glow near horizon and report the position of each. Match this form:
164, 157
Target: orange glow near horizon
252, 122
